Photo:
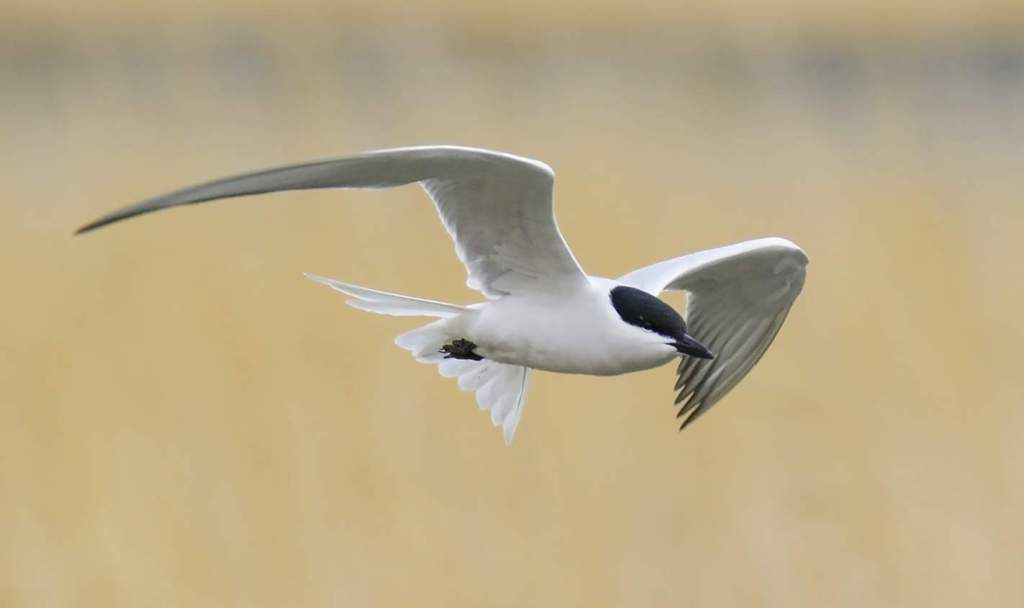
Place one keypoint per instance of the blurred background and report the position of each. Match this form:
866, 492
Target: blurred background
186, 421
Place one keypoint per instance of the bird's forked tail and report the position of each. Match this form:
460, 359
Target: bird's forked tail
500, 387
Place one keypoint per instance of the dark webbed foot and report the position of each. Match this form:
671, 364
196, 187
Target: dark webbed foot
460, 349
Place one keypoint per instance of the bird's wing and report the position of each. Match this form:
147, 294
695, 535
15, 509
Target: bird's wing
739, 296
496, 206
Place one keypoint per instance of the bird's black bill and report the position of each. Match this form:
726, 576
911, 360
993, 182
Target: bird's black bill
689, 346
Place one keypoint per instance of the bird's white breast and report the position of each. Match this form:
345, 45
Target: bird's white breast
578, 332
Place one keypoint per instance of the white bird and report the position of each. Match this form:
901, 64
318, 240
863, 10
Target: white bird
542, 311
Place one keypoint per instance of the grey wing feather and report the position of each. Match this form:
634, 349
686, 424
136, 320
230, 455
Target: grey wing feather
496, 206
739, 297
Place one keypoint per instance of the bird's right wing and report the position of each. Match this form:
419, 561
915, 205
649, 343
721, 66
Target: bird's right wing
739, 296
496, 206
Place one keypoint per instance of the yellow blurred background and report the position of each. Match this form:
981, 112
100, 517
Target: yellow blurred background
186, 421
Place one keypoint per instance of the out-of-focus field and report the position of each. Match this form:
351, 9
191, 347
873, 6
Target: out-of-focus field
186, 421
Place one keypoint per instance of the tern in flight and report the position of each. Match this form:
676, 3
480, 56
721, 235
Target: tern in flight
541, 310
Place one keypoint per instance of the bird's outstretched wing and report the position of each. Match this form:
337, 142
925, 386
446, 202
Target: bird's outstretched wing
739, 296
497, 207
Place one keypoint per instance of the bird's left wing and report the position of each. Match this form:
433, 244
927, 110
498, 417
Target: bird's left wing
739, 296
496, 206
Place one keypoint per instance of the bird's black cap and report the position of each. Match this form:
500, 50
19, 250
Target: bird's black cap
641, 309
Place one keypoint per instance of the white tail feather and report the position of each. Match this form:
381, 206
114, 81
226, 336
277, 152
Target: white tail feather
500, 388
385, 303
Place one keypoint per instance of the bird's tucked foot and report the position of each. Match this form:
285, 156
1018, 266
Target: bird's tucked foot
460, 348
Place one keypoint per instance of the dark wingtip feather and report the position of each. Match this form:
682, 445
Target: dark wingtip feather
689, 419
86, 228
110, 218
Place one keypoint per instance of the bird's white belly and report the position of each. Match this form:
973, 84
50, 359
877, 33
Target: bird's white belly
579, 335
